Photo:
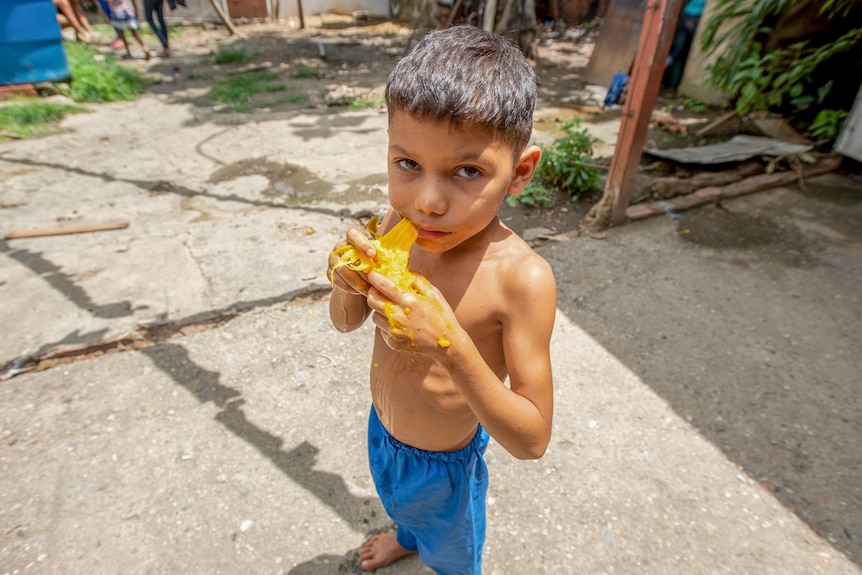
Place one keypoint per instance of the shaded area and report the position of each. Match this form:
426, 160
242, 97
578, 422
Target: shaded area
77, 346
64, 284
746, 320
297, 463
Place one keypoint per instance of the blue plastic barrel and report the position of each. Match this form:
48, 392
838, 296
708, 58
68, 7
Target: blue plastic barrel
31, 46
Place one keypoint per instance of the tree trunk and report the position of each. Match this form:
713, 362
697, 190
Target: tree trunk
225, 18
518, 22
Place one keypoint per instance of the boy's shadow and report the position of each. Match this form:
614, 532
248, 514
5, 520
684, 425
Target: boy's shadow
297, 463
349, 565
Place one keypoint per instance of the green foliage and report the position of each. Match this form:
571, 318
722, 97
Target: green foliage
782, 78
562, 163
98, 78
695, 106
304, 73
359, 104
827, 124
32, 117
236, 91
231, 56
535, 196
562, 168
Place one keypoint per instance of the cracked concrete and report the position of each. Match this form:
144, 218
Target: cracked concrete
226, 434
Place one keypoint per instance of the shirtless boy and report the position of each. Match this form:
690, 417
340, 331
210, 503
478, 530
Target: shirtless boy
460, 119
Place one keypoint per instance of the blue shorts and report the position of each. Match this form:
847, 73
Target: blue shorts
437, 499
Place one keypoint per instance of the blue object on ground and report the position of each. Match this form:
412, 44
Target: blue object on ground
619, 83
31, 43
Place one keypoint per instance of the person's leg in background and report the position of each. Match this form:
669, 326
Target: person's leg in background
161, 30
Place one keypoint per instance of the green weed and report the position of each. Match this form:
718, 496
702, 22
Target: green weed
827, 124
200, 76
535, 195
562, 167
32, 118
359, 104
304, 73
236, 91
693, 105
231, 56
102, 79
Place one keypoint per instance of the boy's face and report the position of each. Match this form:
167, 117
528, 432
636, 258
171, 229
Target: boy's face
450, 182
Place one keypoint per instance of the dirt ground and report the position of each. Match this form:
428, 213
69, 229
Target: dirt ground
799, 442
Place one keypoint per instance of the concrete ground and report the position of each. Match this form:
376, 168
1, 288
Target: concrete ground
221, 428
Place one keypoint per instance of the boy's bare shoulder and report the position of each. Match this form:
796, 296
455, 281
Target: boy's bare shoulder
521, 270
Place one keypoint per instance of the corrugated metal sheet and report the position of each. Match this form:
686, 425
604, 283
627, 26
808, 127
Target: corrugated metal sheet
849, 143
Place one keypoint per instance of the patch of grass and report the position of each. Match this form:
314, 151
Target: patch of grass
98, 78
359, 104
304, 73
237, 91
695, 106
200, 76
231, 56
31, 118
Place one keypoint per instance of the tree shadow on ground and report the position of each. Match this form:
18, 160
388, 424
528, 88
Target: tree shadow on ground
761, 356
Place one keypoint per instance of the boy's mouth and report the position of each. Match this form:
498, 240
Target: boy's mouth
430, 234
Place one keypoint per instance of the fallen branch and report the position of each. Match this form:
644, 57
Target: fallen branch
712, 194
250, 68
716, 123
63, 230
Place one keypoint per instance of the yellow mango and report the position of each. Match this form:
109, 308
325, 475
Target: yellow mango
391, 260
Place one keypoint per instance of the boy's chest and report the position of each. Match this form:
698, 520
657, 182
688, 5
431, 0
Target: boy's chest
475, 298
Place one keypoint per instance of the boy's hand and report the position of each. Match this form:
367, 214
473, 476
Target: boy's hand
420, 323
344, 278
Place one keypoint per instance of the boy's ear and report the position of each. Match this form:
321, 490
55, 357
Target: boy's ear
524, 169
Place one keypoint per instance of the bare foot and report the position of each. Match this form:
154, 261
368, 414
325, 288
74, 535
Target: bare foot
380, 551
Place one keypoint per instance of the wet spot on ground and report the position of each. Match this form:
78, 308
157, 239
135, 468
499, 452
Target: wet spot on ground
727, 230
289, 183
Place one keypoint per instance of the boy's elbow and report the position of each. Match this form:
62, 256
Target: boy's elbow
532, 451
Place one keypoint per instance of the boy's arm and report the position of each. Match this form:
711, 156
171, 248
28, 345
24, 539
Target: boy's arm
347, 309
518, 417
348, 305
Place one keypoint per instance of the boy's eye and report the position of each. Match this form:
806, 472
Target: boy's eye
407, 164
469, 172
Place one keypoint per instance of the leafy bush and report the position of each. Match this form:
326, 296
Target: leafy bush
827, 124
97, 78
562, 167
782, 78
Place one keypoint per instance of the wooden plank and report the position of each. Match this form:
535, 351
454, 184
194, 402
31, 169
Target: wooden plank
653, 47
63, 230
618, 42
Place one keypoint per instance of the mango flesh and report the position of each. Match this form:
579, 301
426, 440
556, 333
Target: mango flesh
391, 260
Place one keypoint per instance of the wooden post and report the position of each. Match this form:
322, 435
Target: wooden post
656, 36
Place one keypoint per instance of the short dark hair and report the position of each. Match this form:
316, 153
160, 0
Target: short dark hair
467, 76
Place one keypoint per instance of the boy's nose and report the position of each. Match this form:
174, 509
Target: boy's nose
430, 198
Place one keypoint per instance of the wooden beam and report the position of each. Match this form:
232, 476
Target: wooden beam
656, 36
62, 230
